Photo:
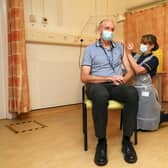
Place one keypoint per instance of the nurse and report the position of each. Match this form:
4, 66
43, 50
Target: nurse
144, 65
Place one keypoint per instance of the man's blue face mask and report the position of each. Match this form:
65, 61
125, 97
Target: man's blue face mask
107, 35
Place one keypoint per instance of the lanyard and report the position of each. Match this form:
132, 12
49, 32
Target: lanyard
110, 58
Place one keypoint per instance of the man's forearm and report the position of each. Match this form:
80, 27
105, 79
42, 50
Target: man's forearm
95, 79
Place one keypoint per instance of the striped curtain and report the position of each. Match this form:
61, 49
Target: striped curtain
153, 21
19, 99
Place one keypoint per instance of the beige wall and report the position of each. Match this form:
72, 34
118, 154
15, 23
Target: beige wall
71, 16
50, 64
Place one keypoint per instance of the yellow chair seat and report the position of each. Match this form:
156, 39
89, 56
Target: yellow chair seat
115, 105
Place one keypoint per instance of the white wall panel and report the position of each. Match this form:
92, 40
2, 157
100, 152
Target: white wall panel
54, 75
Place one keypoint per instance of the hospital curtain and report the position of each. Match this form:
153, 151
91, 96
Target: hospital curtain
153, 21
18, 98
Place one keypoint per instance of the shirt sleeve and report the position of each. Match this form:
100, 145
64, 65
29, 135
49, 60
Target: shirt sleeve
151, 64
87, 59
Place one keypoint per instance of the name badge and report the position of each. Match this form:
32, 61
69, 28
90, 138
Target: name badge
145, 93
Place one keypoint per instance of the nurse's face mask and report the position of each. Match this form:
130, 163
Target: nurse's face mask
143, 48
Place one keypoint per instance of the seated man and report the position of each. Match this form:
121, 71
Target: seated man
102, 73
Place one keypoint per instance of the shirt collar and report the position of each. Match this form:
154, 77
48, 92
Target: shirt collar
99, 44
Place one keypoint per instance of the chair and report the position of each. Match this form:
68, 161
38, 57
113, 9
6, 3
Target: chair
87, 104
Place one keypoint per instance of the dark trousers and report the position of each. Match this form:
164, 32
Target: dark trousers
100, 94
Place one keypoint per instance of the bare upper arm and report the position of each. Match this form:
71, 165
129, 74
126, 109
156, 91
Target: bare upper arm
126, 62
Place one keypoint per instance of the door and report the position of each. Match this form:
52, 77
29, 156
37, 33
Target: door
3, 61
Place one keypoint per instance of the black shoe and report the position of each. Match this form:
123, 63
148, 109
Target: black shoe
163, 117
129, 152
101, 154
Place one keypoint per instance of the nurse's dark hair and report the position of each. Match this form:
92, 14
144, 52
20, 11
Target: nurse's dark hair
150, 39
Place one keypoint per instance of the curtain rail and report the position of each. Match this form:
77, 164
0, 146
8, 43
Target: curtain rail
146, 6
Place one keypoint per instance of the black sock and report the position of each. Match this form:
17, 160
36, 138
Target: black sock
102, 140
125, 139
163, 117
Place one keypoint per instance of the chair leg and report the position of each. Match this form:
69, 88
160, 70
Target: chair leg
121, 119
136, 134
136, 137
84, 117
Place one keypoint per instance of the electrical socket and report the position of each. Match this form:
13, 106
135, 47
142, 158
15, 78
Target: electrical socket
32, 18
44, 20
